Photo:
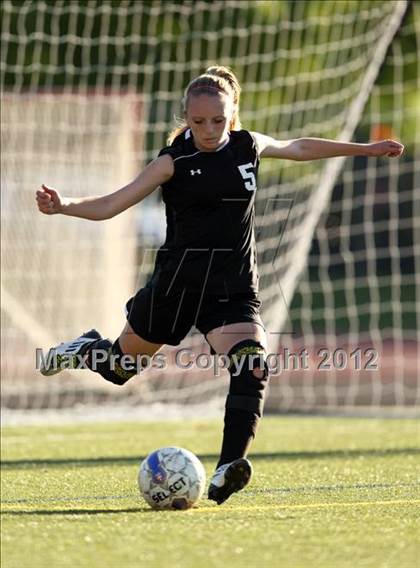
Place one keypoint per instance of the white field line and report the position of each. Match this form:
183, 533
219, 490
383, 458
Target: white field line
338, 504
235, 508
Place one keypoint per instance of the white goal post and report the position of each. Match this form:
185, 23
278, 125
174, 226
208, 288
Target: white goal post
89, 92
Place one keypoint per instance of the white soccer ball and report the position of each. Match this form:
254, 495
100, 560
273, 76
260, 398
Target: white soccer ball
171, 478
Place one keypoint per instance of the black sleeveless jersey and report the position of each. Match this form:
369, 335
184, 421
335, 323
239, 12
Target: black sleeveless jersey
210, 241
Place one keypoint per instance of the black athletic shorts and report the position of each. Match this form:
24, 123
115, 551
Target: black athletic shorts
167, 319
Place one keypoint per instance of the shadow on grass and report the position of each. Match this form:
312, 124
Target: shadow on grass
77, 512
133, 460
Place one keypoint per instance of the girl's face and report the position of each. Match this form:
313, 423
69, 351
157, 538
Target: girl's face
209, 117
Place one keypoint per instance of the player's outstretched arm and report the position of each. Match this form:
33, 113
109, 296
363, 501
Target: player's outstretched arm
303, 149
98, 208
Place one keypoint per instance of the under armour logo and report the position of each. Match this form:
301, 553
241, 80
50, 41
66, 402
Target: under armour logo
193, 172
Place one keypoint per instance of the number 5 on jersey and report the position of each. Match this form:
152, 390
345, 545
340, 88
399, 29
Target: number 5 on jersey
247, 172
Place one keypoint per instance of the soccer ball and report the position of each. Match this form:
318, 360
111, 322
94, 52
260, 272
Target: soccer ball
171, 478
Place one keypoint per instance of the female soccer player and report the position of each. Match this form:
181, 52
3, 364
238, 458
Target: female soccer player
206, 271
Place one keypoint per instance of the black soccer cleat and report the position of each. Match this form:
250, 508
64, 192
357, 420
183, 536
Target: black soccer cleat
66, 355
229, 478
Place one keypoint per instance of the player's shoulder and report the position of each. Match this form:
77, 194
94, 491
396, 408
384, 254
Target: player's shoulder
243, 139
181, 146
240, 135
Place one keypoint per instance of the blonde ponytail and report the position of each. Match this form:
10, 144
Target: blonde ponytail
216, 79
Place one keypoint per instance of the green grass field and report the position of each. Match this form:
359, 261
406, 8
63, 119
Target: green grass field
327, 492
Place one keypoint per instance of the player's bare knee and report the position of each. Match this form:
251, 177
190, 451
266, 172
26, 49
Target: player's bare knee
258, 373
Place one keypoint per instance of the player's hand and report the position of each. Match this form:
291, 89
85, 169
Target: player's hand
49, 200
388, 148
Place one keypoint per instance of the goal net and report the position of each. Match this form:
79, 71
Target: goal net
89, 92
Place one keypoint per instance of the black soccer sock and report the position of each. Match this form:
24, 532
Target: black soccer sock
244, 404
238, 434
109, 361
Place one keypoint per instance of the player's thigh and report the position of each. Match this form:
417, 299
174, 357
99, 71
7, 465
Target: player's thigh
133, 344
222, 339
